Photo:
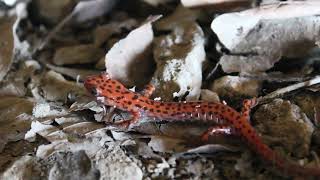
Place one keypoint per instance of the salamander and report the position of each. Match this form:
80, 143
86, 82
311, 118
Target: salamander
229, 121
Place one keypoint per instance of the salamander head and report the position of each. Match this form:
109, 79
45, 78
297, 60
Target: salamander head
102, 86
92, 83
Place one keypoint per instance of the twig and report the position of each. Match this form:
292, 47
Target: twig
274, 78
212, 71
55, 30
282, 91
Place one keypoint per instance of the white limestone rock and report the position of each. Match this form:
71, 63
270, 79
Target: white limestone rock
258, 38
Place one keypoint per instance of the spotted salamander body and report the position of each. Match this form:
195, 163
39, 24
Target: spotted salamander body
229, 121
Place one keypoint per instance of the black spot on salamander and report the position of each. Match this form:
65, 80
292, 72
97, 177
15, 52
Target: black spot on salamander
135, 97
118, 87
158, 110
167, 108
157, 106
109, 91
161, 104
129, 102
145, 108
117, 90
138, 105
151, 110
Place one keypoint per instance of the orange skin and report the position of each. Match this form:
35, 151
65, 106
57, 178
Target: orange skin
113, 93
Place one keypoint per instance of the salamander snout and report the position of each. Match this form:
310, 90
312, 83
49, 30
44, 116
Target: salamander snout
91, 85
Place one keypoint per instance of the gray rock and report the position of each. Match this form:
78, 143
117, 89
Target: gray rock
235, 86
258, 38
27, 167
284, 125
114, 164
73, 166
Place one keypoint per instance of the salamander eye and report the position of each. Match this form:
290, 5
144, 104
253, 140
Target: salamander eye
93, 91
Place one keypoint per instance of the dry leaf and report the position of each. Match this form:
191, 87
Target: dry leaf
15, 119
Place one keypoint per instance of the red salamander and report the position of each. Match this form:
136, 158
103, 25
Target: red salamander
113, 93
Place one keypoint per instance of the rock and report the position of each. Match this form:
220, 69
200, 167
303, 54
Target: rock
217, 5
209, 96
180, 15
27, 167
101, 64
235, 86
104, 32
179, 57
316, 137
284, 124
22, 47
114, 164
129, 60
90, 145
52, 12
79, 54
89, 10
309, 103
72, 166
258, 38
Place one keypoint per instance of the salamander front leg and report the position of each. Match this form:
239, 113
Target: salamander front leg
125, 124
223, 130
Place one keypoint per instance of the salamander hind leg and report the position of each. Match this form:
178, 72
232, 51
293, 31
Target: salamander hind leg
246, 107
223, 130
